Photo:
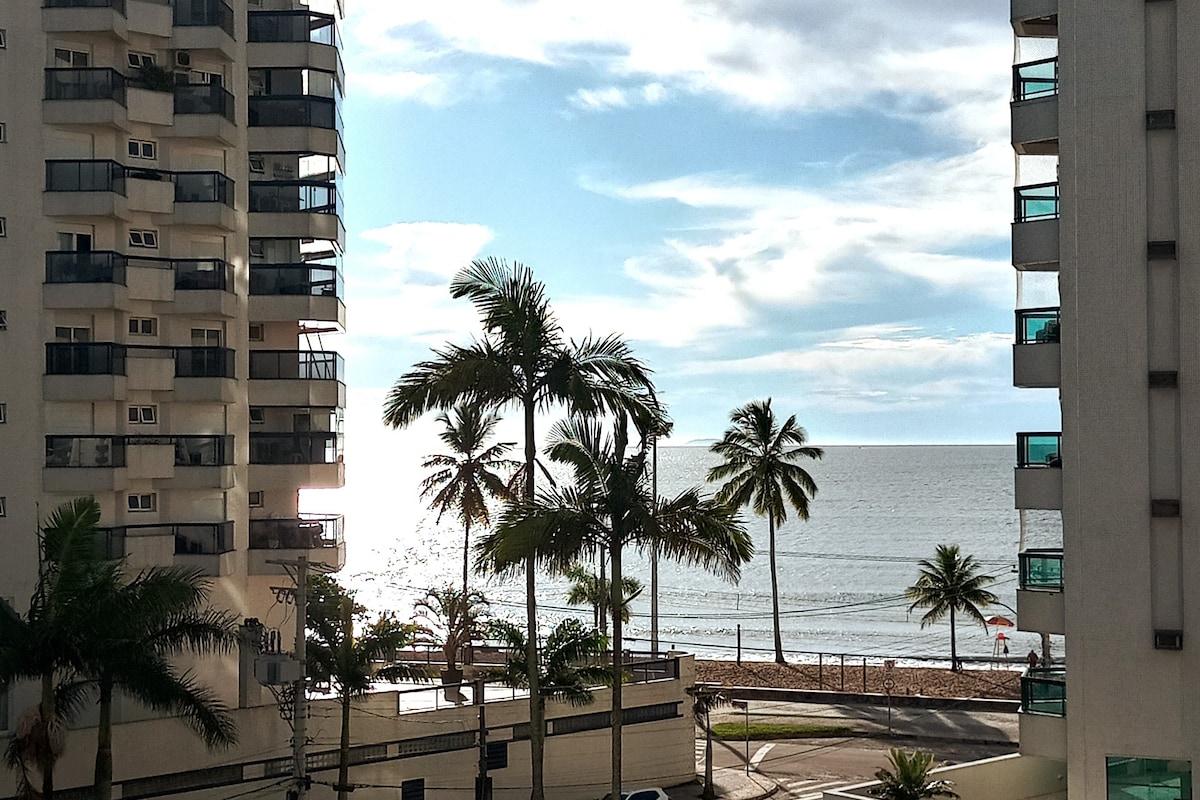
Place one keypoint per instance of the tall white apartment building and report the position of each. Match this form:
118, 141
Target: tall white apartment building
1112, 102
170, 251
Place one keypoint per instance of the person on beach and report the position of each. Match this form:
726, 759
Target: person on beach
1032, 658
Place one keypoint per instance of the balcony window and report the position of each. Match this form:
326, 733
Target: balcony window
203, 451
1035, 79
203, 187
292, 26
1148, 778
307, 533
1037, 325
295, 448
316, 280
85, 359
304, 365
85, 451
1038, 201
295, 112
1041, 569
204, 362
85, 176
204, 98
85, 84
116, 5
291, 197
204, 13
203, 273
1039, 449
1044, 691
85, 267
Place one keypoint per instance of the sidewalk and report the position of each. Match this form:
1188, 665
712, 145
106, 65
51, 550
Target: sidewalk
731, 784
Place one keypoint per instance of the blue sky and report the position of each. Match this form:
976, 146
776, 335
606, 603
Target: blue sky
788, 198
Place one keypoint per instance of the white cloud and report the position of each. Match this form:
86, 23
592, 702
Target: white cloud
610, 97
437, 248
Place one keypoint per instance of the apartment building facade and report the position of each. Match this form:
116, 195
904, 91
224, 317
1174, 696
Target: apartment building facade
170, 257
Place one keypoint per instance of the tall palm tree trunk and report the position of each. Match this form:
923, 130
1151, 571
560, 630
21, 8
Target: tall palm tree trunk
102, 778
49, 712
775, 593
466, 552
537, 708
617, 671
602, 612
710, 791
344, 750
953, 644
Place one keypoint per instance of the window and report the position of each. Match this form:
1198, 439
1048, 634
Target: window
3, 226
257, 165
142, 502
143, 238
1153, 778
3, 133
74, 242
412, 790
256, 499
143, 415
258, 249
257, 332
143, 326
66, 57
258, 415
3, 507
206, 337
201, 77
75, 335
139, 60
3, 413
143, 148
3, 39
3, 320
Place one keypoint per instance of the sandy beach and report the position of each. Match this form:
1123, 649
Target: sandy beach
998, 683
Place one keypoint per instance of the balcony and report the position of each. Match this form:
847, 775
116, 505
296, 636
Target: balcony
286, 292
1037, 361
1035, 108
92, 188
101, 96
204, 25
1038, 475
295, 39
84, 464
319, 538
1043, 724
302, 209
106, 279
85, 372
198, 544
1034, 18
106, 371
311, 378
310, 459
184, 462
205, 111
204, 199
1035, 231
296, 124
103, 17
1040, 599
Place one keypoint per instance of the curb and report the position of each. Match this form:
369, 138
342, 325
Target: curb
859, 698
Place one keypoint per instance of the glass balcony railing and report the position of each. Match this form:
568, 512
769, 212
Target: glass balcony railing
191, 538
302, 365
85, 176
303, 111
192, 274
116, 5
102, 266
1044, 691
1039, 449
204, 98
203, 187
316, 280
294, 197
85, 359
306, 533
88, 452
1038, 201
292, 26
204, 13
1037, 325
1041, 569
311, 447
204, 362
1035, 79
87, 83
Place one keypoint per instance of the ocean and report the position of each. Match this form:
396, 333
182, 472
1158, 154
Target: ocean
842, 574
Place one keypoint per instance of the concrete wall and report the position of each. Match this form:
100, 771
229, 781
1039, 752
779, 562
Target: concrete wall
1013, 777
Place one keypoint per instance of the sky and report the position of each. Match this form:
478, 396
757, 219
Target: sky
807, 200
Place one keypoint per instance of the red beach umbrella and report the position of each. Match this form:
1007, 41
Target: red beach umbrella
1001, 622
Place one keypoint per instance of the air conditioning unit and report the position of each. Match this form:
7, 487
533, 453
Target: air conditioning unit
1168, 640
183, 58
275, 669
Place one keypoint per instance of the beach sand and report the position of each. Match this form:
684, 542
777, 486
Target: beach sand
998, 683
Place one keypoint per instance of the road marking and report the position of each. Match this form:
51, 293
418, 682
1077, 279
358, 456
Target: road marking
813, 790
757, 758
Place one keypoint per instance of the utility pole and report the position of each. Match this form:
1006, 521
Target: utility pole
654, 550
483, 784
300, 720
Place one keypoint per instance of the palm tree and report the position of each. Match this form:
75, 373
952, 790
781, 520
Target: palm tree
588, 588
334, 654
608, 508
523, 359
467, 476
909, 779
760, 466
567, 670
705, 698
451, 619
948, 584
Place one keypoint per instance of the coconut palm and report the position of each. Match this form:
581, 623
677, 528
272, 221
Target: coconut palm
909, 778
760, 470
451, 619
608, 508
705, 698
568, 670
950, 584
467, 477
336, 655
523, 359
588, 588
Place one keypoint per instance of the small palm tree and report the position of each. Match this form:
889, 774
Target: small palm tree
705, 698
950, 584
760, 471
468, 476
909, 779
336, 655
568, 670
451, 619
588, 588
